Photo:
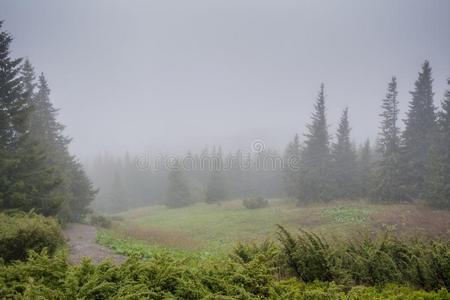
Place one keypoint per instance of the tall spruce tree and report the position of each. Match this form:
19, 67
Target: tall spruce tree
14, 109
216, 188
76, 191
364, 169
418, 134
178, 192
344, 167
291, 174
315, 162
26, 181
438, 176
28, 79
44, 124
388, 186
117, 193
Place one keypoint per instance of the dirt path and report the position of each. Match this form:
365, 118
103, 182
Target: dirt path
81, 241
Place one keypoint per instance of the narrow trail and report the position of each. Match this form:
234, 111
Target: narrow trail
81, 239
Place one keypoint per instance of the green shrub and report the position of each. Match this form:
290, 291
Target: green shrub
308, 256
21, 232
100, 221
440, 263
255, 202
377, 261
368, 260
166, 277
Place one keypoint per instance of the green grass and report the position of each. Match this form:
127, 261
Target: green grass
133, 247
210, 228
343, 214
219, 225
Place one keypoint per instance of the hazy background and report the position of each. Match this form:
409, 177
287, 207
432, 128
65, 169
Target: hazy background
172, 75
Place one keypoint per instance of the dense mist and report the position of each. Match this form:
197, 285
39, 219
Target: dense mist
240, 149
173, 76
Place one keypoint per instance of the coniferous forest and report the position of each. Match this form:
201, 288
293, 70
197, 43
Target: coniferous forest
407, 165
37, 170
329, 215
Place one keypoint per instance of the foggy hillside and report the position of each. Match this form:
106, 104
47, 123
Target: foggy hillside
252, 149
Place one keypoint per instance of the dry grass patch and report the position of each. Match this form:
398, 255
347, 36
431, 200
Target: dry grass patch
414, 220
158, 236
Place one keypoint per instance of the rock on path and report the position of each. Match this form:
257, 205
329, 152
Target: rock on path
82, 243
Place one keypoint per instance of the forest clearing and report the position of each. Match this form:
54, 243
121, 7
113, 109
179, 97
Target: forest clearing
225, 150
217, 229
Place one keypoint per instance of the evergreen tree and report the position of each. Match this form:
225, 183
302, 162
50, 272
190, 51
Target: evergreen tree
236, 175
291, 168
14, 109
178, 193
216, 189
28, 79
26, 181
418, 134
76, 191
44, 124
315, 162
438, 179
344, 161
364, 169
117, 196
388, 178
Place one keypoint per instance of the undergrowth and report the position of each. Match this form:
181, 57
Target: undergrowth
132, 247
301, 266
164, 276
21, 232
366, 260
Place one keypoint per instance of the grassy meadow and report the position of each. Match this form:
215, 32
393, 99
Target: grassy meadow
210, 229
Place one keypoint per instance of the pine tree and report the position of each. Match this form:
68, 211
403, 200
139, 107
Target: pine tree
118, 196
28, 78
438, 179
76, 191
418, 134
237, 175
178, 193
291, 174
344, 161
216, 189
44, 124
388, 177
14, 109
26, 181
315, 163
364, 169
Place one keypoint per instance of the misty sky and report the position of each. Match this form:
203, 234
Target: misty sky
172, 75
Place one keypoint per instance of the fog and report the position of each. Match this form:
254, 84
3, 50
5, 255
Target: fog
234, 149
177, 75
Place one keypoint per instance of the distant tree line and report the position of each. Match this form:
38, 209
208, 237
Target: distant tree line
36, 169
403, 166
208, 176
406, 166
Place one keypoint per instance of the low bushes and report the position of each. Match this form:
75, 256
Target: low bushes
367, 260
100, 221
22, 232
165, 277
304, 266
255, 202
